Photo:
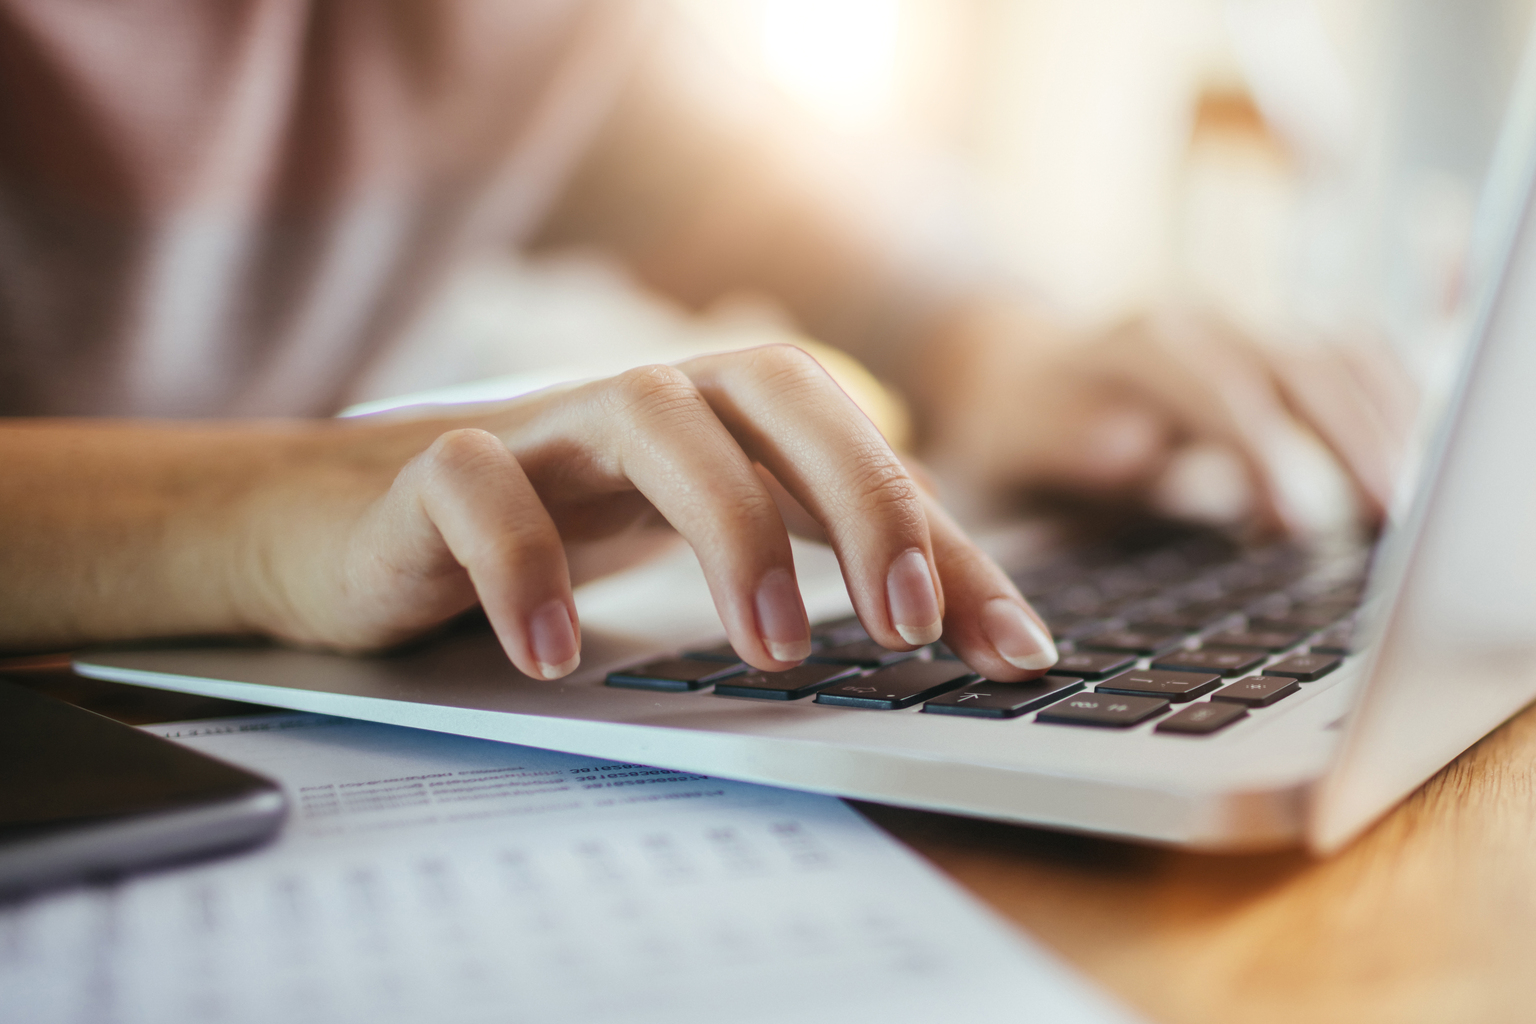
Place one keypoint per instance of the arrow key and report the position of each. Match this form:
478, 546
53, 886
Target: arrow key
1003, 700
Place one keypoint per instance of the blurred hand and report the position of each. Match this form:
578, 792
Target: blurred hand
1019, 403
499, 500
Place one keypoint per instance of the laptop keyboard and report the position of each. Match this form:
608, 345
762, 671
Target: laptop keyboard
1195, 632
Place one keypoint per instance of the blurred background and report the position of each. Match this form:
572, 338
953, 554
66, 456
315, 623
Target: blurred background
1297, 163
1303, 166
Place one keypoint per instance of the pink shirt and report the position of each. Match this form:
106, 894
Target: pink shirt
230, 207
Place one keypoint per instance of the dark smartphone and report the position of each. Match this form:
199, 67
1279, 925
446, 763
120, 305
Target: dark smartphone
82, 796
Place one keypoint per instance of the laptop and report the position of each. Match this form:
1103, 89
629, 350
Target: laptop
1210, 695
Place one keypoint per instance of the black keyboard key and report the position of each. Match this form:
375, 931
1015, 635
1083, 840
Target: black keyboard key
1242, 576
673, 674
839, 631
1305, 668
1302, 618
1254, 639
792, 684
863, 653
1339, 640
1003, 700
897, 686
1223, 661
1081, 600
1257, 691
1092, 664
941, 652
1175, 686
1123, 583
1131, 641
720, 652
1200, 590
1248, 597
1209, 612
1067, 627
1203, 718
1179, 621
1104, 710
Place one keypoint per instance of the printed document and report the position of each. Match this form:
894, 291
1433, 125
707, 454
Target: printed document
431, 878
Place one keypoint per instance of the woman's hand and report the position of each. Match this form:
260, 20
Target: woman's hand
1016, 401
490, 504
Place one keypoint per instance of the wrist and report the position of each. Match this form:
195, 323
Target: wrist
286, 532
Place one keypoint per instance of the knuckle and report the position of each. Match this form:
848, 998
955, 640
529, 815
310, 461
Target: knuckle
466, 450
784, 364
881, 485
654, 390
749, 503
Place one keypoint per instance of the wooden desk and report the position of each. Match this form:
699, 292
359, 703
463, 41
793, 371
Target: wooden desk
1431, 917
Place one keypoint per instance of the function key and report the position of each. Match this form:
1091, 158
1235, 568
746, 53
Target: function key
720, 652
863, 653
1226, 662
673, 674
1203, 718
1176, 686
1092, 664
897, 686
1103, 710
800, 681
1305, 668
1254, 639
1257, 691
987, 699
1132, 641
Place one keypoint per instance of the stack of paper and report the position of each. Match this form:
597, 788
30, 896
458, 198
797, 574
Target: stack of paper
426, 877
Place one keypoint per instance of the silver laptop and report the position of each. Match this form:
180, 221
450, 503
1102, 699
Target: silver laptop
1209, 695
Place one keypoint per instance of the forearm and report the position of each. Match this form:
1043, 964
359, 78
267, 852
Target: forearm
121, 530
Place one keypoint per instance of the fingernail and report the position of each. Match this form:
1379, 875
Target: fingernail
553, 639
781, 620
1021, 640
914, 602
